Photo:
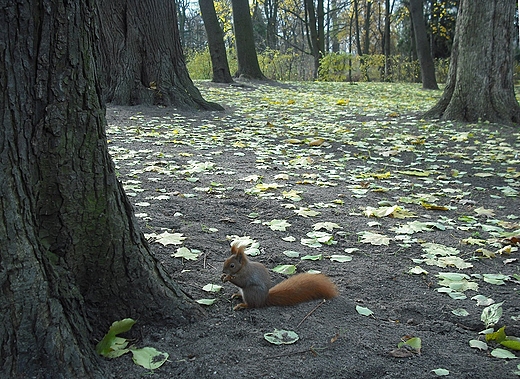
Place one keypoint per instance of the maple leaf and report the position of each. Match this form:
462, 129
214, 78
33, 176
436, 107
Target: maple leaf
434, 207
374, 238
393, 211
326, 225
280, 225
418, 173
186, 253
306, 212
412, 227
251, 178
292, 195
481, 211
166, 238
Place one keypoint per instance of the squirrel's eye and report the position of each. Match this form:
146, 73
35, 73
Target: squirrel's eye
232, 265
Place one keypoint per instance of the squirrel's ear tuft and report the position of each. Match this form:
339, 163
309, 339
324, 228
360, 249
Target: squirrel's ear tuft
238, 246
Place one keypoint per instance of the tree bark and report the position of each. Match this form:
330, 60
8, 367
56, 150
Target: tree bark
73, 259
246, 51
271, 15
217, 48
387, 40
313, 33
141, 58
422, 45
368, 14
358, 29
480, 78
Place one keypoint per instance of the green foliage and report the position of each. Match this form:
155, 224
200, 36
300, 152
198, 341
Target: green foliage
112, 346
334, 67
105, 346
289, 66
442, 66
199, 64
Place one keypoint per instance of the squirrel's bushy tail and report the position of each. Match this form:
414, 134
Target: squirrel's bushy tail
301, 288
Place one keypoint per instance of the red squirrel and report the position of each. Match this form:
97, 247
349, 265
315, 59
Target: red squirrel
255, 283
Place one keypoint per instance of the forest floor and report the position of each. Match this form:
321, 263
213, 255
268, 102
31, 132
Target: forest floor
416, 221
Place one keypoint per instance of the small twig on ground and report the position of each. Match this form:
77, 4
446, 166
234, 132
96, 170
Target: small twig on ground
288, 354
311, 312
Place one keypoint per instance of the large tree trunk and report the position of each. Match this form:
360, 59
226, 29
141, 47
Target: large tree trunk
217, 48
422, 45
246, 51
141, 55
480, 79
72, 257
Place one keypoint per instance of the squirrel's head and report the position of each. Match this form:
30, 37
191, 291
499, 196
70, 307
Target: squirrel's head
237, 259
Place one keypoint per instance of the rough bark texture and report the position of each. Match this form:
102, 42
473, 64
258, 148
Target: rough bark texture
72, 258
141, 56
312, 34
422, 45
315, 17
217, 48
271, 27
248, 66
480, 79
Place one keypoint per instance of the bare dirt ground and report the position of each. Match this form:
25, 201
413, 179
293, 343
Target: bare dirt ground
278, 153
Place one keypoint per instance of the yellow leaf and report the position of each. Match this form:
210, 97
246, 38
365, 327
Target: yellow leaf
434, 207
316, 142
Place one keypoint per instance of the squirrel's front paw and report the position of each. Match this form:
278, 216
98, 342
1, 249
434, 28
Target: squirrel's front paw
240, 306
226, 277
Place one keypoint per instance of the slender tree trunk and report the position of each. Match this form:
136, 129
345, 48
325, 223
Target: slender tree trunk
217, 48
358, 32
73, 260
366, 47
271, 14
386, 40
141, 56
333, 14
350, 50
246, 51
313, 34
480, 79
422, 45
320, 26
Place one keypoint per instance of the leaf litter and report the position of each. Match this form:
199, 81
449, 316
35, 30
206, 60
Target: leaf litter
321, 169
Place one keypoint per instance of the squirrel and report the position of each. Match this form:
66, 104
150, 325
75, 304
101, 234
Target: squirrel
255, 283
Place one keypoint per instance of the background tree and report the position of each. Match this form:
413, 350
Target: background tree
366, 37
73, 259
480, 81
422, 45
217, 48
359, 49
141, 57
314, 16
441, 18
387, 39
246, 51
271, 17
